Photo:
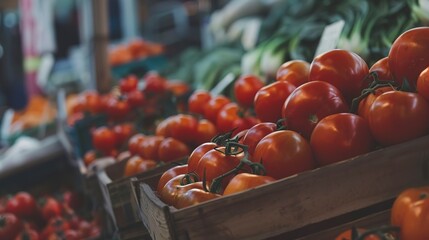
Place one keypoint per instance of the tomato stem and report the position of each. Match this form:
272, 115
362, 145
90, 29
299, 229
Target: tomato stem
189, 178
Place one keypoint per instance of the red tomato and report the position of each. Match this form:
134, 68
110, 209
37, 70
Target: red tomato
128, 84
171, 149
104, 139
295, 72
123, 132
55, 225
118, 109
131, 166
27, 234
9, 226
245, 89
409, 55
347, 235
136, 99
381, 67
198, 153
256, 133
206, 130
198, 100
284, 153
245, 181
89, 101
169, 174
89, 157
134, 143
22, 205
423, 84
212, 108
193, 197
309, 103
148, 149
270, 99
178, 88
229, 119
183, 127
50, 208
154, 83
365, 104
339, 137
146, 165
396, 117
343, 69
415, 225
173, 189
405, 201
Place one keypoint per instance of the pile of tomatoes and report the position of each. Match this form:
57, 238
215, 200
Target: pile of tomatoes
133, 50
52, 217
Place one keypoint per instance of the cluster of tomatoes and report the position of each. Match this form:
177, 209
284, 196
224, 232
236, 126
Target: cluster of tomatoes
133, 50
52, 217
314, 114
408, 219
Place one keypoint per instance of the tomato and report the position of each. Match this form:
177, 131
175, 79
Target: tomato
212, 108
269, 100
340, 136
84, 228
206, 130
22, 204
154, 83
423, 84
309, 103
198, 100
240, 135
256, 133
123, 132
215, 163
415, 225
365, 104
172, 190
245, 89
183, 127
284, 153
118, 108
134, 143
9, 226
347, 235
136, 99
229, 119
128, 84
245, 181
50, 208
171, 149
89, 157
178, 88
55, 225
73, 199
295, 72
195, 156
27, 234
409, 55
381, 67
193, 197
343, 69
148, 148
396, 117
405, 201
131, 166
104, 139
89, 101
169, 174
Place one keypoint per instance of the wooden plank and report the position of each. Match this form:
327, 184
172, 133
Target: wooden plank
295, 202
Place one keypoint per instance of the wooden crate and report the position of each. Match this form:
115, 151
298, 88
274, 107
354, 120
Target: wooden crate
303, 201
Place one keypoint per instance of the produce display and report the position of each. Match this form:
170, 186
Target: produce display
133, 50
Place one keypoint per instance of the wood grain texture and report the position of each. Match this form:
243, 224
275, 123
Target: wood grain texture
295, 202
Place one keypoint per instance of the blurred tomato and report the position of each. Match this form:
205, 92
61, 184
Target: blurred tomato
198, 100
104, 139
294, 72
245, 88
171, 149
128, 84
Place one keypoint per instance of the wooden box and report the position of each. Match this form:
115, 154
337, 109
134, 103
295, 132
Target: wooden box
298, 206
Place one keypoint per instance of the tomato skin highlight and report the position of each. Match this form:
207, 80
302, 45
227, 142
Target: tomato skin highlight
415, 224
245, 181
284, 153
256, 133
193, 197
294, 71
404, 202
381, 67
339, 137
198, 153
169, 174
423, 84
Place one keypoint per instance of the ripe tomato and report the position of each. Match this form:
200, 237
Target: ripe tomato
89, 157
27, 234
212, 108
171, 149
396, 117
128, 84
198, 100
409, 55
169, 174
104, 139
365, 104
423, 84
193, 197
177, 87
244, 181
172, 190
50, 208
381, 67
404, 202
206, 130
55, 224
134, 143
199, 152
295, 72
136, 98
154, 83
415, 225
89, 101
270, 99
256, 133
148, 149
123, 132
309, 103
118, 108
347, 235
183, 127
339, 137
245, 89
229, 119
343, 69
284, 153
131, 166
9, 226
146, 165
22, 204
